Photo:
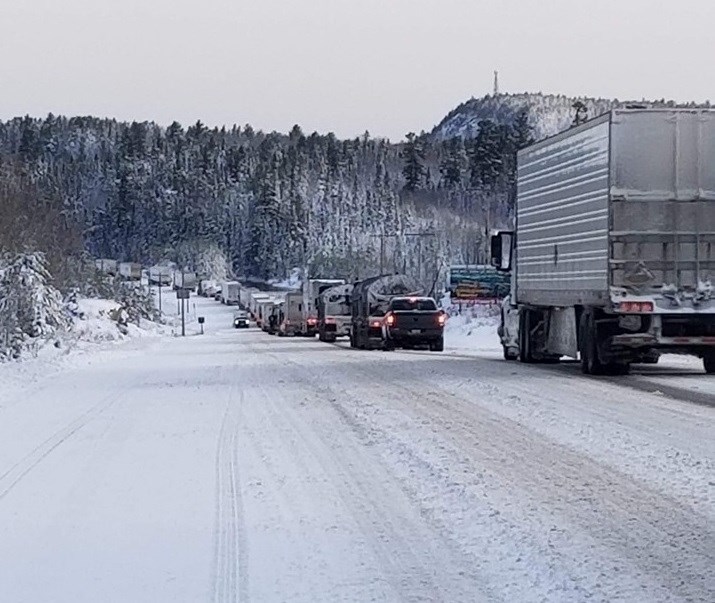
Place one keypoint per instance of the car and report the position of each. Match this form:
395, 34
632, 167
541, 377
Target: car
241, 320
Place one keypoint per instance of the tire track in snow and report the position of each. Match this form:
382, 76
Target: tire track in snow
667, 542
17, 472
230, 579
416, 562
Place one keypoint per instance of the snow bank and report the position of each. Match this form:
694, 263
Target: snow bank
94, 323
472, 328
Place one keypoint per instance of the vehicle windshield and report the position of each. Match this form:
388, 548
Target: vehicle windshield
412, 304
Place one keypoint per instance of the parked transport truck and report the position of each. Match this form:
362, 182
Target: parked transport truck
130, 271
292, 314
230, 291
264, 311
244, 296
184, 280
276, 314
311, 291
334, 312
370, 302
256, 299
613, 254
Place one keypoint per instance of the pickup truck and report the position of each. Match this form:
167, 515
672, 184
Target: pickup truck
241, 320
414, 321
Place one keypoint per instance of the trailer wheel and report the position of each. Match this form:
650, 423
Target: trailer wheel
509, 354
525, 353
709, 362
588, 346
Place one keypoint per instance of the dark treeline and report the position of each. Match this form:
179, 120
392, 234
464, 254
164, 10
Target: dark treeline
268, 202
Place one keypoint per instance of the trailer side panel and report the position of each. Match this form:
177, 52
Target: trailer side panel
563, 218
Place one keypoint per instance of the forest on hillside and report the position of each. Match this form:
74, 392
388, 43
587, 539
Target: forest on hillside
267, 202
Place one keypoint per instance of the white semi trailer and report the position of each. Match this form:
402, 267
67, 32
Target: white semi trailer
130, 271
311, 291
230, 293
613, 256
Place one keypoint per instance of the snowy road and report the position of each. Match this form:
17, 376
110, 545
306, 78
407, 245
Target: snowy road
237, 467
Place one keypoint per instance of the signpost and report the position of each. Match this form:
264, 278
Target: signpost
181, 296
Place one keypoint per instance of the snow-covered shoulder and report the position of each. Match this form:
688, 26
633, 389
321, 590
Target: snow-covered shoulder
472, 328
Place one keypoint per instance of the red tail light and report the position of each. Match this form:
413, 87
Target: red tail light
635, 307
442, 319
312, 321
376, 323
390, 320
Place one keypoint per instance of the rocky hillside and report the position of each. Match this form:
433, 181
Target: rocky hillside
548, 114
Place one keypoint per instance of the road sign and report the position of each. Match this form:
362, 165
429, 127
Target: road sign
182, 293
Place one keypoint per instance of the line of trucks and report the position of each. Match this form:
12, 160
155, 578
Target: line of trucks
383, 312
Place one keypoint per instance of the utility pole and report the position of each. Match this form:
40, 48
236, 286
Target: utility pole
420, 236
383, 235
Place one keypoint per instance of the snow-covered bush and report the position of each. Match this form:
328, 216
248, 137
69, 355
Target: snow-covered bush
135, 301
31, 309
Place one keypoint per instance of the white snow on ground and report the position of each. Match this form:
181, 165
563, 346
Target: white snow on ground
94, 337
473, 329
238, 466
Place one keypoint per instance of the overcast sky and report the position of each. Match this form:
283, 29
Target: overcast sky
387, 66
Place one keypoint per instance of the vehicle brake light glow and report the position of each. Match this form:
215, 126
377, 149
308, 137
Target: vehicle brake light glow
635, 307
390, 320
376, 323
441, 319
312, 321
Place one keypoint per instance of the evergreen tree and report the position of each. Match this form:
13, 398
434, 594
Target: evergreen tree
413, 157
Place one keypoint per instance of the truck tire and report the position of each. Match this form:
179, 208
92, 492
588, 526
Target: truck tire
709, 362
588, 346
437, 346
525, 353
509, 354
352, 338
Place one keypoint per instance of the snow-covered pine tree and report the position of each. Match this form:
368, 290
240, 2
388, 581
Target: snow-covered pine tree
31, 309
